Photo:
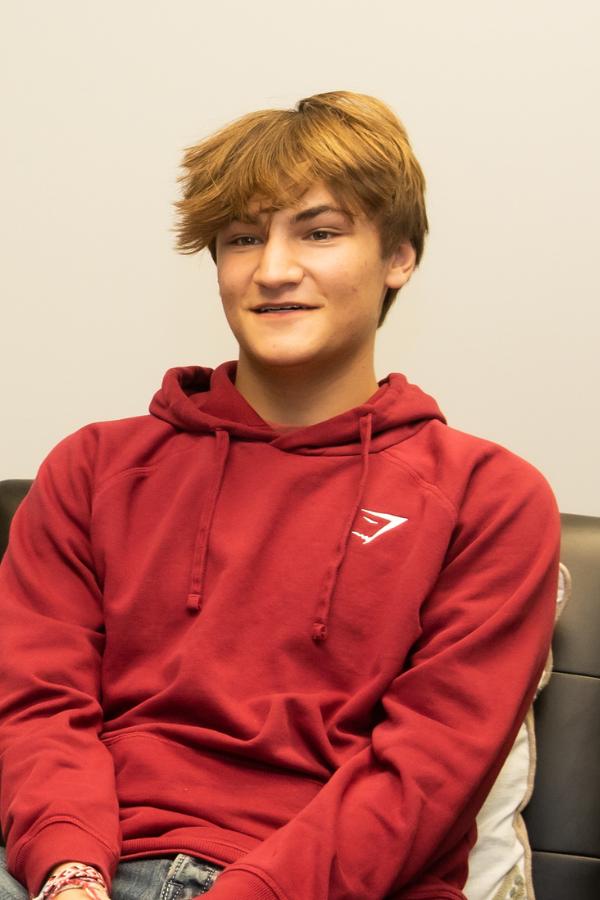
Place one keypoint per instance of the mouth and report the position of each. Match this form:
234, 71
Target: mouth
282, 309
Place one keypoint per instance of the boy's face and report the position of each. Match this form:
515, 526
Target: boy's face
312, 255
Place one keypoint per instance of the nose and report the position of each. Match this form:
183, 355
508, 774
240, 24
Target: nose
277, 264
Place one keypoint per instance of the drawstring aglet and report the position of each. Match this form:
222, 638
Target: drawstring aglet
319, 632
194, 603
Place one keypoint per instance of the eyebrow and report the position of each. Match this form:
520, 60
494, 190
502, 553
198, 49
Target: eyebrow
314, 211
311, 213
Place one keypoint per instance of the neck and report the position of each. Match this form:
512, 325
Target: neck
304, 394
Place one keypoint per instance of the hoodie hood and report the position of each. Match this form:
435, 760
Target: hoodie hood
202, 400
205, 401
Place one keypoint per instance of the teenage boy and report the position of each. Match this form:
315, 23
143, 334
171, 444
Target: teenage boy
277, 637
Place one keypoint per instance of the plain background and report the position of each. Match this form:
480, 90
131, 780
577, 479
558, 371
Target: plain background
501, 322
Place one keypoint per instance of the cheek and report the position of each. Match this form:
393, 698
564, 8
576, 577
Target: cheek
227, 302
222, 279
358, 290
227, 288
234, 278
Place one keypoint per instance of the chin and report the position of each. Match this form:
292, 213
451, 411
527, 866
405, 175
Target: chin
283, 359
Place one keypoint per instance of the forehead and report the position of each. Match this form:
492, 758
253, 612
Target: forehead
314, 200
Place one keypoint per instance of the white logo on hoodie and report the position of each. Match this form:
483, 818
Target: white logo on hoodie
389, 520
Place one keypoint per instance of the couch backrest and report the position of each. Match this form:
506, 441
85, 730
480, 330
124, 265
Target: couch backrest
11, 494
563, 816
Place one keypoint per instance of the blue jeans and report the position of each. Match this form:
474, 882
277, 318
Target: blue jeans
178, 878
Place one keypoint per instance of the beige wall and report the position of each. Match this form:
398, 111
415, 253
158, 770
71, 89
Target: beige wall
501, 323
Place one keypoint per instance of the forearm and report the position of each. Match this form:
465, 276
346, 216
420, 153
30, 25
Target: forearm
400, 813
57, 793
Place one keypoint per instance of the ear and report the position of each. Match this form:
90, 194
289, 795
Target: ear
401, 265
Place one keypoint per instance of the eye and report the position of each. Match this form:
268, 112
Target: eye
244, 240
322, 234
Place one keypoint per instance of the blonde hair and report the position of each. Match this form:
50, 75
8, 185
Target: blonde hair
352, 142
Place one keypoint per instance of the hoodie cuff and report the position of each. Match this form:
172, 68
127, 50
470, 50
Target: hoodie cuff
61, 842
240, 884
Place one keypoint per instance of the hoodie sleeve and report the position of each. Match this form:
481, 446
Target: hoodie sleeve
403, 809
57, 791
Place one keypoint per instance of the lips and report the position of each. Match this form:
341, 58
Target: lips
265, 309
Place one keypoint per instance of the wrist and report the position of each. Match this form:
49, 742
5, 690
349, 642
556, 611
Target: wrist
59, 867
67, 876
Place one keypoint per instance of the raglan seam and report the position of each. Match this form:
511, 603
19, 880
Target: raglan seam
106, 482
428, 485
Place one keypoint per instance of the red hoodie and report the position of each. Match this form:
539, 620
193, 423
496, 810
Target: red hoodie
304, 654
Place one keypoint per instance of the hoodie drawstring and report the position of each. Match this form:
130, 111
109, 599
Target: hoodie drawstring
195, 595
320, 623
323, 607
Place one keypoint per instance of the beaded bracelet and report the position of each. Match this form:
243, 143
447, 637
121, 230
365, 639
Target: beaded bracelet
75, 876
89, 890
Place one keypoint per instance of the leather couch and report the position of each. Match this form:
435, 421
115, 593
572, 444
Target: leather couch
563, 816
